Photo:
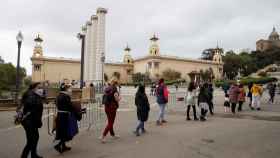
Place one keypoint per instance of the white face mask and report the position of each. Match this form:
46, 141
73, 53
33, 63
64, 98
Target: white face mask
40, 92
69, 91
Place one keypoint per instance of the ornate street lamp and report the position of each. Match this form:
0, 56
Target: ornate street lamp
102, 61
81, 36
19, 38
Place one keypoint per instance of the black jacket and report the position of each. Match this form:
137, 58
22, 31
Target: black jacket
203, 96
33, 108
143, 106
63, 103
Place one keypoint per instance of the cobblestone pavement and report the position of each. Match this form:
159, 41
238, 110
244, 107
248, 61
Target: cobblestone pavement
249, 134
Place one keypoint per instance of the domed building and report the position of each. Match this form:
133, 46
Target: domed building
273, 41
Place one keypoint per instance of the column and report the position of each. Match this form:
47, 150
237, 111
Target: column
100, 47
93, 44
87, 51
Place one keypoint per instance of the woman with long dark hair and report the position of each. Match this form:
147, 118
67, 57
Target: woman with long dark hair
190, 100
143, 108
32, 102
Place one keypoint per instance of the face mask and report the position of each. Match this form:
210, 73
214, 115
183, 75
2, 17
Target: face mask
40, 92
69, 91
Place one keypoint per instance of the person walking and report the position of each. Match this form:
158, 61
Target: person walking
143, 108
226, 103
241, 97
225, 87
65, 119
111, 100
203, 99
32, 102
256, 96
162, 100
210, 103
190, 100
271, 90
249, 94
233, 96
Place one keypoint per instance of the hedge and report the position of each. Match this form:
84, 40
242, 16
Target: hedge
171, 82
247, 80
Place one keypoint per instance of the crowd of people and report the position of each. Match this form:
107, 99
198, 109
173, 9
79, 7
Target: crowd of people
66, 127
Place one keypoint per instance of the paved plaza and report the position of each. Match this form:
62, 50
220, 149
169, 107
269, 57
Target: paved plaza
249, 134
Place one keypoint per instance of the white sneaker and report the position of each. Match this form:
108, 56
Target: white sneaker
116, 137
102, 139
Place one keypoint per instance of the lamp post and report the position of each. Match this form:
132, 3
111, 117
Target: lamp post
102, 61
19, 38
81, 36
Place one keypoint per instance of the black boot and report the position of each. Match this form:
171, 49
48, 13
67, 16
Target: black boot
58, 148
202, 117
188, 112
194, 113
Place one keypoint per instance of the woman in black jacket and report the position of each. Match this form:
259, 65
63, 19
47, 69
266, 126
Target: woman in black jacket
203, 100
32, 101
143, 108
64, 111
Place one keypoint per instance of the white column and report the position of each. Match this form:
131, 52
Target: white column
92, 57
100, 47
87, 51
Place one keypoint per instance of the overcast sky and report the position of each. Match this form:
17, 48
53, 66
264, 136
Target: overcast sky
185, 27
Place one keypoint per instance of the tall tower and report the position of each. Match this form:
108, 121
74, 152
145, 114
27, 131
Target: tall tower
127, 59
100, 42
217, 55
154, 48
38, 50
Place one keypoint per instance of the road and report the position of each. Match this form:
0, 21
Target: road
249, 134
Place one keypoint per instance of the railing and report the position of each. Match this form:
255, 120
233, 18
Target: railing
93, 119
175, 97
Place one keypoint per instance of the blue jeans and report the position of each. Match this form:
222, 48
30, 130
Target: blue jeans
161, 111
140, 126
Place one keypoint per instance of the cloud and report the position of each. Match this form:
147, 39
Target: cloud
185, 27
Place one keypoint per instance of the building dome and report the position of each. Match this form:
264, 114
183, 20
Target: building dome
274, 35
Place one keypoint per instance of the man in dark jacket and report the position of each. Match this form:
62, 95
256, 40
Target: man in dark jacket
32, 102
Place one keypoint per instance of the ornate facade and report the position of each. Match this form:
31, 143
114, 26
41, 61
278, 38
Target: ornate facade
154, 63
273, 41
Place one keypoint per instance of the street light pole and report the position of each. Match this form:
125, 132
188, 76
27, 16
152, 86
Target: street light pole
81, 36
102, 60
19, 42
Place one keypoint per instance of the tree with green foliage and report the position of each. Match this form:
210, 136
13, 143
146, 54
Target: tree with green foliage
141, 77
170, 74
209, 53
8, 77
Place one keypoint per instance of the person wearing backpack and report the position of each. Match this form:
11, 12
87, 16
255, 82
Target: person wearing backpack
162, 100
32, 102
203, 99
110, 100
143, 108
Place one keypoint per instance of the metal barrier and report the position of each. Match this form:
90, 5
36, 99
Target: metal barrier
93, 119
174, 98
